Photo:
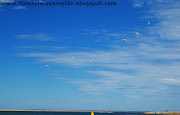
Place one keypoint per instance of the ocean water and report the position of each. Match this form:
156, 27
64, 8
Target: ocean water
64, 113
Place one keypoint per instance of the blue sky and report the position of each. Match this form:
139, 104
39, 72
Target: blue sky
139, 74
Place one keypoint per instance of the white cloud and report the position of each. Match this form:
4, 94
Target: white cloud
105, 83
165, 16
134, 67
169, 25
38, 36
42, 47
20, 7
115, 35
138, 3
149, 4
146, 66
171, 81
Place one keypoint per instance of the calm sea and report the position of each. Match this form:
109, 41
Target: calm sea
62, 113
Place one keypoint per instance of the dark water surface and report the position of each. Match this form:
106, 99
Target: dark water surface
62, 113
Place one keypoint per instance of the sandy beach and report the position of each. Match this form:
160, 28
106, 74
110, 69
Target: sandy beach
169, 113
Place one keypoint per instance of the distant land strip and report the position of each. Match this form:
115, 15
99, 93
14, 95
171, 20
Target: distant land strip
16, 110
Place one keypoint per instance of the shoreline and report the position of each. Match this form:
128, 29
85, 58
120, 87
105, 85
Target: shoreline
21, 110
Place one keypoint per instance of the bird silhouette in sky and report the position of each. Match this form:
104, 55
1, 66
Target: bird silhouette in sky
137, 33
46, 65
99, 54
90, 61
124, 39
72, 58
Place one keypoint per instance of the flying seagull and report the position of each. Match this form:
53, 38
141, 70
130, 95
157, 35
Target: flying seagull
46, 65
148, 23
72, 58
90, 61
137, 33
99, 54
124, 39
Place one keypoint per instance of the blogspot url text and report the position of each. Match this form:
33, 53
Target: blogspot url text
64, 3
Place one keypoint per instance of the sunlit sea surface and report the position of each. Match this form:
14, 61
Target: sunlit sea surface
64, 113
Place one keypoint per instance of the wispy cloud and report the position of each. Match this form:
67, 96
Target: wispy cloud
20, 7
158, 4
38, 36
165, 16
138, 3
42, 47
115, 35
147, 65
140, 67
172, 81
103, 34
